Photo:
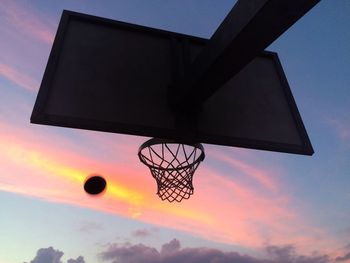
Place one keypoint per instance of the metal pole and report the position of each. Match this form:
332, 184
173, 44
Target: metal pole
250, 27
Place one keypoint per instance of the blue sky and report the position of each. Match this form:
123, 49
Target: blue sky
261, 202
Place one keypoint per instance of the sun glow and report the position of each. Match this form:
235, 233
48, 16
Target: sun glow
223, 208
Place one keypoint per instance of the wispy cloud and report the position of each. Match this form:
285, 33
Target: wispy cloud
90, 226
222, 209
26, 20
18, 78
144, 232
25, 36
263, 177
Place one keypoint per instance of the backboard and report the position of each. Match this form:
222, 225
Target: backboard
116, 77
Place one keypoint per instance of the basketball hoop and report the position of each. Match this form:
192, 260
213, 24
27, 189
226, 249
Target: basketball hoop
183, 74
172, 165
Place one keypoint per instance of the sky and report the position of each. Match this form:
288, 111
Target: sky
249, 205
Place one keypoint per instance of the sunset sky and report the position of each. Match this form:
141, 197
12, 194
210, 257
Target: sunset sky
249, 205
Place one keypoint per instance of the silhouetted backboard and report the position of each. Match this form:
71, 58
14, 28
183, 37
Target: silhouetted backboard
111, 76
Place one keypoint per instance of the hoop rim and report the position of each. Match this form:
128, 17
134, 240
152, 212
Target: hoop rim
156, 141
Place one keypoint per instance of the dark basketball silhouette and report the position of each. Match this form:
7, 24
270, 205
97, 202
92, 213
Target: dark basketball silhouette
95, 185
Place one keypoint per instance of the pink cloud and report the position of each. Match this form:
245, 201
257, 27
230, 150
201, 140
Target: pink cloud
265, 178
26, 35
18, 78
223, 209
26, 20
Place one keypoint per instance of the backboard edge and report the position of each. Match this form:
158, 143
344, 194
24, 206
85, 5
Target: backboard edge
292, 105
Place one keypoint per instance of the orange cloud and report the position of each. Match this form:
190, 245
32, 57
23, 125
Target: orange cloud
46, 175
18, 78
223, 208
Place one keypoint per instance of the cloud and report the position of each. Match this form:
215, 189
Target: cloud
288, 254
131, 254
18, 78
171, 248
27, 20
26, 37
47, 255
263, 177
42, 168
51, 255
144, 232
222, 210
79, 259
172, 253
343, 258
89, 226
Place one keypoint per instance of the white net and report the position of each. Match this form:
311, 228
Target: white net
172, 165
